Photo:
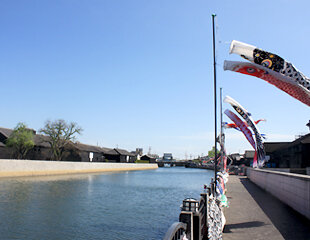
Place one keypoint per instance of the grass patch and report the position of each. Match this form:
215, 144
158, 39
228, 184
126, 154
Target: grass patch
142, 161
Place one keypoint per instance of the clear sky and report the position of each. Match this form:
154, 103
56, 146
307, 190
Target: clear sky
140, 74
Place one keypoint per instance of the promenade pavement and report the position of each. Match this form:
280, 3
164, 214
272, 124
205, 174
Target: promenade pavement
255, 214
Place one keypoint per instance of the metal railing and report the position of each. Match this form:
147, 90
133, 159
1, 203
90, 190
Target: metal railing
177, 231
195, 218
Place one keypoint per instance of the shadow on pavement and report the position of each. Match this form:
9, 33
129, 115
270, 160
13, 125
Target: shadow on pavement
228, 227
289, 223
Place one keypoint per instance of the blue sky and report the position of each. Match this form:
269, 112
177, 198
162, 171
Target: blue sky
139, 73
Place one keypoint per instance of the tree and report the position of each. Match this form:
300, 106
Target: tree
21, 141
59, 135
211, 153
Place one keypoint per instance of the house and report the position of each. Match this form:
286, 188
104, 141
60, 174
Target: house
295, 154
41, 149
72, 151
4, 134
270, 148
110, 155
4, 151
248, 157
125, 156
83, 153
235, 157
240, 159
149, 158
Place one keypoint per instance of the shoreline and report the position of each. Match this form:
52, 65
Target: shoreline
24, 168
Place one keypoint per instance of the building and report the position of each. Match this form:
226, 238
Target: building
4, 151
242, 159
76, 152
125, 156
83, 153
149, 157
139, 151
41, 150
295, 154
167, 157
248, 157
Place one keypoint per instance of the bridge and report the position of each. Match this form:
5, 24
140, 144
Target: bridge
172, 163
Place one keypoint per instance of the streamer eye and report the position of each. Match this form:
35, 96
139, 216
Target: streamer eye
251, 70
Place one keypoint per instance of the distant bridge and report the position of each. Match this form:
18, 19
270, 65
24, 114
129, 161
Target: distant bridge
172, 163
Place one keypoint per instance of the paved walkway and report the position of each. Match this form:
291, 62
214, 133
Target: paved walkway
254, 214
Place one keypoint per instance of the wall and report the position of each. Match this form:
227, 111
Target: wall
11, 168
292, 189
39, 153
4, 152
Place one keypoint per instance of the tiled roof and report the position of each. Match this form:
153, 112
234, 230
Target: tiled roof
110, 151
41, 140
6, 132
88, 148
123, 152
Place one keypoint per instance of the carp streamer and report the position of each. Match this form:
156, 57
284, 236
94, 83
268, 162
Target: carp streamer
246, 116
271, 68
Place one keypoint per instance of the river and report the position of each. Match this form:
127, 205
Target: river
125, 205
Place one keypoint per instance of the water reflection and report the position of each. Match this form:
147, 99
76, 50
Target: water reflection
126, 205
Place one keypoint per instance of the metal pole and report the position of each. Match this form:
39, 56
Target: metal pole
221, 138
215, 107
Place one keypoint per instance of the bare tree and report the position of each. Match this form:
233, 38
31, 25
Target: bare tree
59, 135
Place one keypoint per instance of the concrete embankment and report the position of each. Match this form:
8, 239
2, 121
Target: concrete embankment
292, 189
14, 168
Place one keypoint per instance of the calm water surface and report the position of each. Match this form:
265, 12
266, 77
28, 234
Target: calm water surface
127, 205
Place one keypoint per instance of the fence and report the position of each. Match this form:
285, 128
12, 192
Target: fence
198, 220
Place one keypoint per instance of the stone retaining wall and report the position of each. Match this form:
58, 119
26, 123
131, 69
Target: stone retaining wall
292, 189
12, 168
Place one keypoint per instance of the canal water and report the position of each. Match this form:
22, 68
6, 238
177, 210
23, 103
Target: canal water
125, 205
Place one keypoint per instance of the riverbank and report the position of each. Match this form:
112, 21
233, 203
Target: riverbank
17, 168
